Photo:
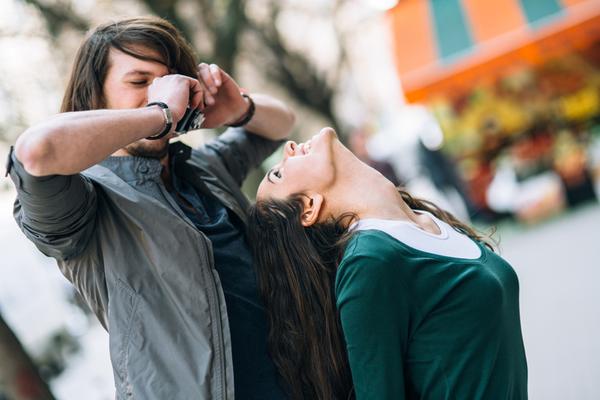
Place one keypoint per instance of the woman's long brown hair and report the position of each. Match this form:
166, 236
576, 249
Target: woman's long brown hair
296, 269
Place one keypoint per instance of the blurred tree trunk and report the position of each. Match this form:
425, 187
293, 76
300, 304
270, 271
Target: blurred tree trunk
294, 72
59, 15
19, 377
228, 33
167, 9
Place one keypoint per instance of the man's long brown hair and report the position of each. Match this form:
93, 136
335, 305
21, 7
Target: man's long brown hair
296, 269
133, 36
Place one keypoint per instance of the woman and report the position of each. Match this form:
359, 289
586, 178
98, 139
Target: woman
361, 278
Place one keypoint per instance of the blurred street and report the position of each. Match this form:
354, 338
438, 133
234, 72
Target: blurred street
558, 263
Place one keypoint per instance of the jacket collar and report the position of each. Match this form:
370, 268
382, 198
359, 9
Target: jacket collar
133, 168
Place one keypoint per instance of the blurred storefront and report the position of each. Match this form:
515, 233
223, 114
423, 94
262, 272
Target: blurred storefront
515, 86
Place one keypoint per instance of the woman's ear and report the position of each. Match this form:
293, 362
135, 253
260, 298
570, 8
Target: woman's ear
311, 207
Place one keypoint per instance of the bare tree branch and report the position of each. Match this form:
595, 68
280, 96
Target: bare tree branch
228, 33
167, 9
294, 71
343, 57
57, 16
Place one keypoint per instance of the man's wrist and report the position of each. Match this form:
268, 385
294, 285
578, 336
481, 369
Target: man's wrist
168, 119
248, 115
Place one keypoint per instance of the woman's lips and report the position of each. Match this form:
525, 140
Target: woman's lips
304, 148
307, 147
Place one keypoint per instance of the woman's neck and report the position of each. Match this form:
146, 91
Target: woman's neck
368, 194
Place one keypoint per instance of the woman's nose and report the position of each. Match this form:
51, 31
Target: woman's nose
289, 149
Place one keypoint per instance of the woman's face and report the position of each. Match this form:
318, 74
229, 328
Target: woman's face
305, 167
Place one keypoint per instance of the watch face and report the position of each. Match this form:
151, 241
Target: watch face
197, 121
192, 119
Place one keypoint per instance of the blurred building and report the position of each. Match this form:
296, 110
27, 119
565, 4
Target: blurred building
515, 86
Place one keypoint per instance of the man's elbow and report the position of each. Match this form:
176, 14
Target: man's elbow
291, 118
33, 151
290, 121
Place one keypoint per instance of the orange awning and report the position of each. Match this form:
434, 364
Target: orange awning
497, 37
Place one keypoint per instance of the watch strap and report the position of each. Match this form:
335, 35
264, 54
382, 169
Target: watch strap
249, 114
168, 119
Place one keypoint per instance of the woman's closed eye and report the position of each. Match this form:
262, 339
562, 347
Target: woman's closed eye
274, 172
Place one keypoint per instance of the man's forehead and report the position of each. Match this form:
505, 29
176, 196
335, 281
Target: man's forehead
136, 71
137, 49
130, 64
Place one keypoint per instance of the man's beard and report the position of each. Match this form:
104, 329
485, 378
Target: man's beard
146, 149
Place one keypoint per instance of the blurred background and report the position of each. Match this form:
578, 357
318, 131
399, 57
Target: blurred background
489, 108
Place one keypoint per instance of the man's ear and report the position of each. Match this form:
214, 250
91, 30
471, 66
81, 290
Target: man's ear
311, 207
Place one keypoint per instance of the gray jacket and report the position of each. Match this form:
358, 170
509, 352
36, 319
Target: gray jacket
141, 264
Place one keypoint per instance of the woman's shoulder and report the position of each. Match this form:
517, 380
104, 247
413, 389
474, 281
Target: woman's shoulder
371, 259
370, 251
368, 238
370, 243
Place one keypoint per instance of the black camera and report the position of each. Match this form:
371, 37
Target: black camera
192, 119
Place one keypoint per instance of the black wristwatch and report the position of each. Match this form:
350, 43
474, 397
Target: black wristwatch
168, 119
249, 114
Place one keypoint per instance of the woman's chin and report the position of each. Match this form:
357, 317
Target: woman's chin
323, 139
328, 132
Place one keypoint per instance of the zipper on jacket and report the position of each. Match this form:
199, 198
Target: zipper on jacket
214, 293
219, 323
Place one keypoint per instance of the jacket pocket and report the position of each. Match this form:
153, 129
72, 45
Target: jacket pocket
122, 313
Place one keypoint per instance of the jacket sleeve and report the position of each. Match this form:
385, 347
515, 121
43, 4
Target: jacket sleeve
57, 213
241, 151
374, 316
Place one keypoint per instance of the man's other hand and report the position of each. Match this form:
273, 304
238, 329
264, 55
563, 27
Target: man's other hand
224, 102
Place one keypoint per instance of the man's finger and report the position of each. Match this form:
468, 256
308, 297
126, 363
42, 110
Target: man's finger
205, 75
196, 94
216, 74
225, 76
208, 98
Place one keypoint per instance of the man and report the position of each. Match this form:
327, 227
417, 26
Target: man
152, 234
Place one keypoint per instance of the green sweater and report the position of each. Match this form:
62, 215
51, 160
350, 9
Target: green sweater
424, 326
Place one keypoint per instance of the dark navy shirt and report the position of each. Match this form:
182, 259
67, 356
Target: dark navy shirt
254, 373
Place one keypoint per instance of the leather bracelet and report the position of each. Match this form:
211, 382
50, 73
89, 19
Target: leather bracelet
168, 119
249, 114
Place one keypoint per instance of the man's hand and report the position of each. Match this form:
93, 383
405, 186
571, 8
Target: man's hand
224, 102
177, 91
